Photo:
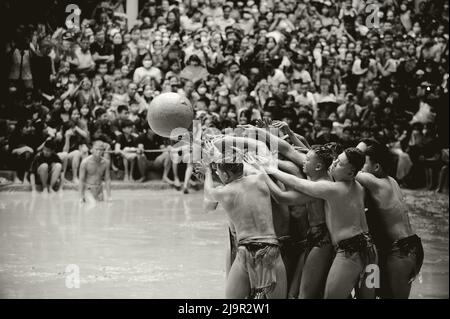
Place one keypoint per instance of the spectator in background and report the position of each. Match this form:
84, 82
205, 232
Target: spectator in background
46, 169
301, 61
126, 146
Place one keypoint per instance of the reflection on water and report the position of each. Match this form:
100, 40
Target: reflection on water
144, 244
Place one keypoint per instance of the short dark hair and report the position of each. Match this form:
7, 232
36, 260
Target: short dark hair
250, 99
324, 154
335, 148
379, 154
99, 112
122, 108
326, 123
204, 100
355, 158
231, 168
50, 144
127, 123
370, 141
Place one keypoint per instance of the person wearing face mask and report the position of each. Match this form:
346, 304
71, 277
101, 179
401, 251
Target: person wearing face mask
147, 71
194, 71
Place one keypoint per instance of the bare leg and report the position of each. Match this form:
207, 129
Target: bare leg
55, 175
63, 156
43, 175
294, 285
397, 270
343, 276
125, 166
238, 283
167, 165
280, 290
176, 179
132, 161
142, 166
315, 272
76, 159
187, 177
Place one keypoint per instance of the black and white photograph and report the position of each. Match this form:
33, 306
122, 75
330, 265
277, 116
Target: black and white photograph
218, 149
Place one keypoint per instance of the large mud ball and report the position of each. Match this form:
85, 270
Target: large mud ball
169, 111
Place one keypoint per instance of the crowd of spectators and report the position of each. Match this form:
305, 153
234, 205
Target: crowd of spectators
334, 71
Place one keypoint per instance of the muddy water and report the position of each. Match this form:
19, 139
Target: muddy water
146, 244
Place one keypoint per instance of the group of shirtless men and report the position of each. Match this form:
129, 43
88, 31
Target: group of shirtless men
316, 222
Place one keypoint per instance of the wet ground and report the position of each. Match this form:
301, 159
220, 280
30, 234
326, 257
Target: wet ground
151, 244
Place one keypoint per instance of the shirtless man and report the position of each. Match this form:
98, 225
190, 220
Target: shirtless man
258, 271
94, 169
400, 249
320, 250
345, 219
290, 221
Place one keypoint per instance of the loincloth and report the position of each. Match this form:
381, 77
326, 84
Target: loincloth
364, 246
411, 245
259, 256
318, 236
96, 191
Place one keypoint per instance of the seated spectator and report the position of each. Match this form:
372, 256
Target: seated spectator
75, 144
152, 160
46, 169
22, 144
126, 147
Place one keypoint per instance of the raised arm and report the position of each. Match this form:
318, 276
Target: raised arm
290, 197
319, 189
284, 127
212, 194
284, 147
289, 167
368, 180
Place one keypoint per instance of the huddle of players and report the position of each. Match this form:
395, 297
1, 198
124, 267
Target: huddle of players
299, 228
